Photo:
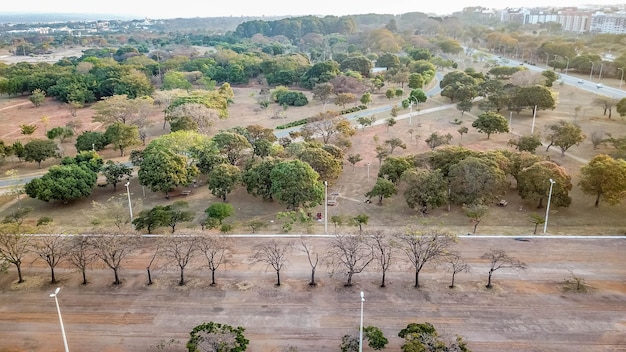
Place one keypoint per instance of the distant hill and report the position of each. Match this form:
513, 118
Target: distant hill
57, 17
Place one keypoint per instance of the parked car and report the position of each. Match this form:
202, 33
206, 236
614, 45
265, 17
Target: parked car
581, 81
599, 85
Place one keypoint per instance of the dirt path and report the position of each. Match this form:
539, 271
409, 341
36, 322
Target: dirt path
525, 311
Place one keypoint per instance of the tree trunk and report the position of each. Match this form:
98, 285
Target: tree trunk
598, 199
540, 203
84, 277
489, 279
182, 277
536, 225
452, 283
213, 277
278, 277
312, 283
20, 279
117, 278
382, 284
417, 279
349, 283
39, 167
476, 225
53, 279
149, 276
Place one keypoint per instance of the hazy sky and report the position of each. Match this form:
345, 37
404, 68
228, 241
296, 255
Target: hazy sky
214, 8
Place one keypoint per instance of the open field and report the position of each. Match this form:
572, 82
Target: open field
525, 311
580, 218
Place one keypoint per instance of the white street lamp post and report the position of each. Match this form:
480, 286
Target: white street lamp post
361, 325
567, 66
545, 223
56, 300
600, 75
368, 171
130, 205
325, 207
591, 72
410, 112
621, 80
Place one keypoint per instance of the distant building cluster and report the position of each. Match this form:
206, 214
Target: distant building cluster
596, 19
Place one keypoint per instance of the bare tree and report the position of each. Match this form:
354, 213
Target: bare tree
81, 254
113, 248
52, 249
179, 250
351, 253
325, 125
156, 252
383, 251
272, 254
457, 265
499, 259
425, 246
313, 258
13, 247
214, 248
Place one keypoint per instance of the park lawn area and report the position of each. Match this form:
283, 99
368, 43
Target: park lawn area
580, 218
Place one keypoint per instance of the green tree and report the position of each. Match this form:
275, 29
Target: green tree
39, 150
360, 220
162, 171
604, 177
475, 180
176, 213
232, 145
393, 168
223, 179
416, 81
375, 338
219, 211
342, 99
527, 143
60, 133
28, 129
425, 188
63, 182
325, 164
122, 136
534, 183
353, 159
366, 98
382, 189
151, 219
476, 213
89, 140
116, 172
37, 97
257, 178
175, 80
538, 96
491, 122
621, 107
435, 140
564, 135
296, 184
217, 337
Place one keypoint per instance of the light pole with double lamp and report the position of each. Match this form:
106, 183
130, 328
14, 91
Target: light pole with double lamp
56, 300
361, 325
545, 223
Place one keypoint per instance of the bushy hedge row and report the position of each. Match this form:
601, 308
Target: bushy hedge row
311, 119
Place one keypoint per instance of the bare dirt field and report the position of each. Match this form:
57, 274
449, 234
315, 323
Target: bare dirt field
525, 311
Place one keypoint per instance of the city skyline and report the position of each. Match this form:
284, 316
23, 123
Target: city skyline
189, 9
